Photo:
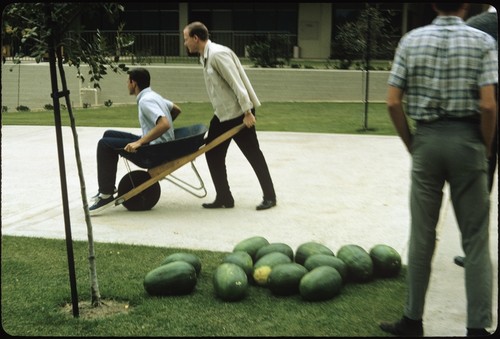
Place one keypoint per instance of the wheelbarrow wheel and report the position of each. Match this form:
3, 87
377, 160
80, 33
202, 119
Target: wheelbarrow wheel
144, 200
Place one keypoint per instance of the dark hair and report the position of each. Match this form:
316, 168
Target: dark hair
449, 7
141, 76
198, 29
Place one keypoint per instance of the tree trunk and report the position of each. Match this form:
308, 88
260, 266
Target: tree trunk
51, 43
94, 285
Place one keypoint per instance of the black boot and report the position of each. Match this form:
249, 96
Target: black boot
477, 332
405, 327
459, 261
220, 203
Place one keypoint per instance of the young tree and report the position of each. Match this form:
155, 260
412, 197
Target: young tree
371, 34
26, 24
54, 30
367, 38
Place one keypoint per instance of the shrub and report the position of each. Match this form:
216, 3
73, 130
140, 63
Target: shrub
22, 108
50, 107
345, 63
270, 51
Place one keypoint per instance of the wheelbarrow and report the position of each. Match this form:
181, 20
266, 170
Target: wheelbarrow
139, 190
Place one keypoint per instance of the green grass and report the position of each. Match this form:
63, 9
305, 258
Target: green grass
35, 285
317, 117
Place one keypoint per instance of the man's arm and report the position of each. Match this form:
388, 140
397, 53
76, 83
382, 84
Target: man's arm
175, 111
227, 68
398, 117
162, 125
488, 107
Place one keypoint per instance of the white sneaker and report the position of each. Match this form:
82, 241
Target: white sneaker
94, 197
100, 204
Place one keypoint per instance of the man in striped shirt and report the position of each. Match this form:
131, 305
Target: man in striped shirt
448, 72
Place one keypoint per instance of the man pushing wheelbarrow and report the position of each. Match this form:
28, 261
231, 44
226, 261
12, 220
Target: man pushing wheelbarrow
161, 150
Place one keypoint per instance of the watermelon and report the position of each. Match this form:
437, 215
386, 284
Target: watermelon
309, 248
187, 257
263, 267
386, 261
358, 262
230, 282
251, 245
317, 260
242, 259
284, 279
322, 283
274, 247
175, 278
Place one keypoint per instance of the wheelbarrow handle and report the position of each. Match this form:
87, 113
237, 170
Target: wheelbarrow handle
223, 137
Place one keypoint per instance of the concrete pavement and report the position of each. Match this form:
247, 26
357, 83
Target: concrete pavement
334, 189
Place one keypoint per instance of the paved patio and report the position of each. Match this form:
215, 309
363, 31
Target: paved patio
335, 189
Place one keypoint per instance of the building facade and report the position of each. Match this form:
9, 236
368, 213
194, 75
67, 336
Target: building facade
310, 27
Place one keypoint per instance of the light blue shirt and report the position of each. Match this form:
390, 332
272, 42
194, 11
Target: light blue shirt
441, 68
151, 107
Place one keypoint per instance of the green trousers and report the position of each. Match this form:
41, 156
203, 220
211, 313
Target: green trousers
453, 152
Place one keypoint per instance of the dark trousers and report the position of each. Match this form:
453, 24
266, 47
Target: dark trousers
108, 149
249, 146
453, 152
492, 161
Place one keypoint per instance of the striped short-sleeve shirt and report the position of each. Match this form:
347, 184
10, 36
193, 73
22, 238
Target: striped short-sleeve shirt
441, 68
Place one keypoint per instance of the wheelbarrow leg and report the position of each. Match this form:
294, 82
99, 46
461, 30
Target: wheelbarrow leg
198, 191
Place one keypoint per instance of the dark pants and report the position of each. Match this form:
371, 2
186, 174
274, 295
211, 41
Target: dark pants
492, 161
108, 150
249, 146
450, 152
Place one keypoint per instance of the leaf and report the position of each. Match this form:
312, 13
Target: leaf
27, 25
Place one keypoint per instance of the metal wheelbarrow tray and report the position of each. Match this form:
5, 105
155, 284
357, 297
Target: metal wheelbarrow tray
139, 190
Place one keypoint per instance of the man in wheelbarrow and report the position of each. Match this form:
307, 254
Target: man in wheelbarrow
156, 115
234, 102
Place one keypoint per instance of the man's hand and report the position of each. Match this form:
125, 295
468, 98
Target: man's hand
249, 119
132, 147
162, 125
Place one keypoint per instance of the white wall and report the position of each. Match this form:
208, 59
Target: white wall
315, 30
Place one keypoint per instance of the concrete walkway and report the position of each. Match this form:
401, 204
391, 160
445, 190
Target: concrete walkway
334, 189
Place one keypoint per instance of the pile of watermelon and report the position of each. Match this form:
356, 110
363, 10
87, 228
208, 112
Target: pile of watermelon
314, 271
